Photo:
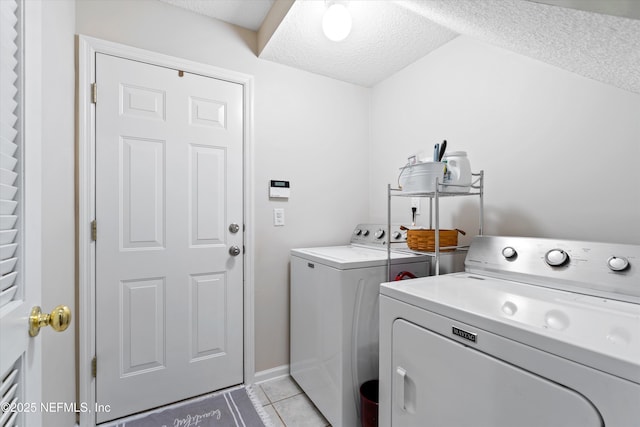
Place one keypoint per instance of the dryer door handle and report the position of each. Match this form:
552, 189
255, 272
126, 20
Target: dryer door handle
401, 375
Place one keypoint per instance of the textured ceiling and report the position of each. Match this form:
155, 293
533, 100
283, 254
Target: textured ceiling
624, 8
384, 39
243, 13
602, 47
388, 35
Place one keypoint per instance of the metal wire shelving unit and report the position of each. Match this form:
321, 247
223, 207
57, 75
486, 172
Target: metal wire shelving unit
476, 188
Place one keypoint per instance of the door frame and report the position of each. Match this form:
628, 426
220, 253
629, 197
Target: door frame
87, 48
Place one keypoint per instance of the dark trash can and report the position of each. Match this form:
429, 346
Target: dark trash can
369, 403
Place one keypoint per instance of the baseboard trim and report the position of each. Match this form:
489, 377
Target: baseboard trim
271, 374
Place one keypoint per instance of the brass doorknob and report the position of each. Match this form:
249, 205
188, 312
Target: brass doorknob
59, 319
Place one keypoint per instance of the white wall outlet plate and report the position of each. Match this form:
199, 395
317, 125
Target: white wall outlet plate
415, 203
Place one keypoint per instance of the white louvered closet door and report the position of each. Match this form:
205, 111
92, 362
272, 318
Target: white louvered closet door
8, 153
19, 267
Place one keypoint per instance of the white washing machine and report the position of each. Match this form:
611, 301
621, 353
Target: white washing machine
535, 332
335, 317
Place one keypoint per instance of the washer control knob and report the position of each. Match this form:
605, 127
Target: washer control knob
509, 253
556, 257
618, 263
397, 235
357, 232
365, 233
379, 234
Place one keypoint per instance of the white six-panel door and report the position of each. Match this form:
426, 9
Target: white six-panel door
169, 294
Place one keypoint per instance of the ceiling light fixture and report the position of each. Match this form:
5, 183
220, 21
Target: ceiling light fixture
336, 22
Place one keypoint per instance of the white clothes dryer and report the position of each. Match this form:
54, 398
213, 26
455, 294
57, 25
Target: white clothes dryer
335, 316
535, 332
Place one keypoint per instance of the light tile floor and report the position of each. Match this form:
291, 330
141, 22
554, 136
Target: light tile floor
287, 405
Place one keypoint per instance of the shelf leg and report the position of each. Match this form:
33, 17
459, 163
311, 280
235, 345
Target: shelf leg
389, 232
481, 202
437, 229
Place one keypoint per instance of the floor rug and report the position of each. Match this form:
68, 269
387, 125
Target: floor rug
236, 407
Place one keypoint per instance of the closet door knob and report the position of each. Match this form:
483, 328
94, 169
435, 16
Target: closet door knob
59, 319
234, 251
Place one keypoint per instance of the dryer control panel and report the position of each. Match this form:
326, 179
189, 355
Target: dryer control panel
592, 268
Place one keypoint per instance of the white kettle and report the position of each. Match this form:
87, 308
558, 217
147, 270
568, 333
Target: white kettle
457, 178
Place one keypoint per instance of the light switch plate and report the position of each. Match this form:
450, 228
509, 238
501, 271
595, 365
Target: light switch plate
278, 217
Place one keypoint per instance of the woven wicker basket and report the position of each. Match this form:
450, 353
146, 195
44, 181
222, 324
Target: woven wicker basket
425, 240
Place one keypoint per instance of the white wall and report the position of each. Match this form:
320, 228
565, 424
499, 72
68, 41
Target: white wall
560, 152
313, 132
309, 129
58, 208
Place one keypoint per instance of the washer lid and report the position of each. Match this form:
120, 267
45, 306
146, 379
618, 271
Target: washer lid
597, 332
354, 256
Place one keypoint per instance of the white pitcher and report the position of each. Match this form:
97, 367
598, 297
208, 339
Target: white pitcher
457, 179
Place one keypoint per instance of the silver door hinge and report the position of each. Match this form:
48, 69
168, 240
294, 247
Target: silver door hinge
94, 93
94, 367
94, 230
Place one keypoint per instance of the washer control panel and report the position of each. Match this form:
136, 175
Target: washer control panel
376, 234
593, 268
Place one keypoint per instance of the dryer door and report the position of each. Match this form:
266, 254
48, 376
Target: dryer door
440, 382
